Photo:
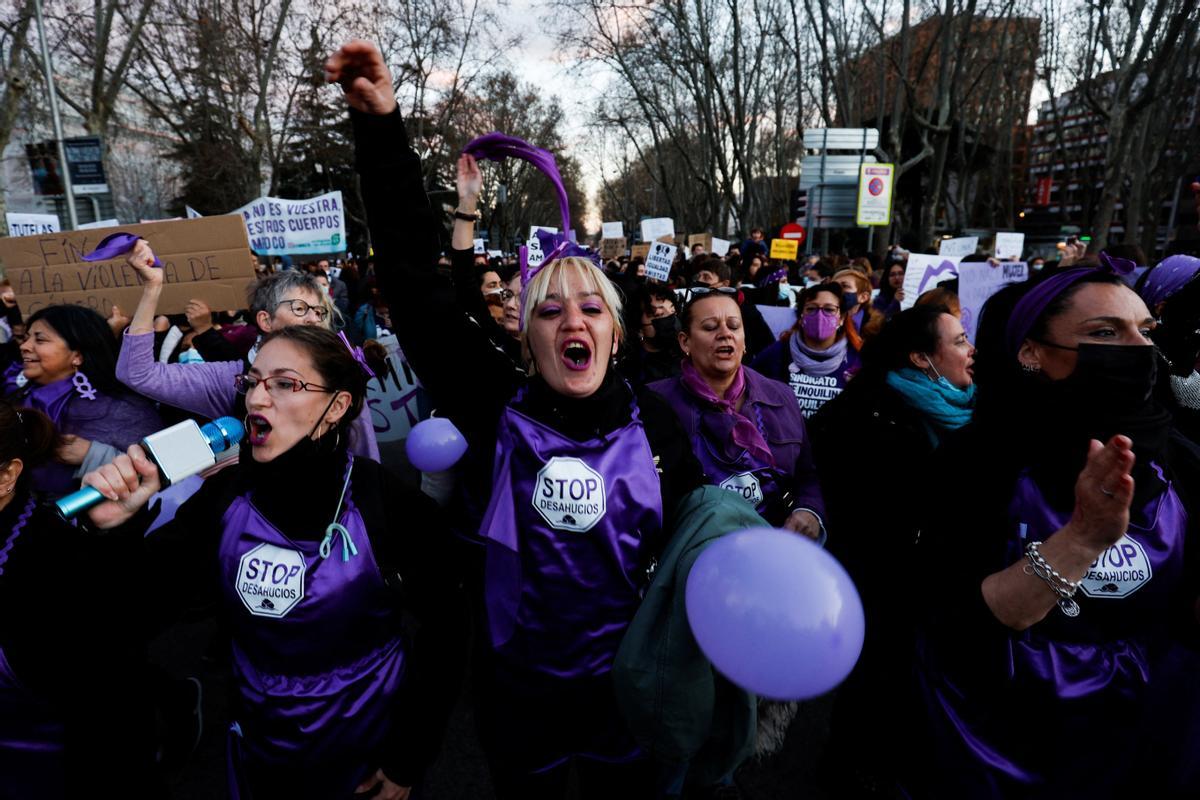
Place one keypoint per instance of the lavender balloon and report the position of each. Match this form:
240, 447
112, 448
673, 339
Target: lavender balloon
775, 613
435, 444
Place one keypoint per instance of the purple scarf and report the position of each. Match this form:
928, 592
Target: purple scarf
745, 433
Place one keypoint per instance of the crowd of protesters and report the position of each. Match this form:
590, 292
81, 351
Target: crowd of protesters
1019, 513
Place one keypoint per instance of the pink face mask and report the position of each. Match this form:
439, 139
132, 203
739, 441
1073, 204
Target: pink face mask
819, 325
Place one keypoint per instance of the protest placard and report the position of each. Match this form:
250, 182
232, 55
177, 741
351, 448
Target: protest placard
720, 246
658, 263
962, 246
192, 213
278, 227
655, 229
20, 224
612, 230
480, 247
206, 258
784, 249
396, 399
977, 281
533, 229
705, 240
640, 250
924, 272
612, 248
1009, 245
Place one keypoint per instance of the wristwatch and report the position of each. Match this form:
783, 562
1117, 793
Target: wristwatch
465, 217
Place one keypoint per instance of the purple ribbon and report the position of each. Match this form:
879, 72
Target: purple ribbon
114, 245
358, 355
496, 146
1029, 308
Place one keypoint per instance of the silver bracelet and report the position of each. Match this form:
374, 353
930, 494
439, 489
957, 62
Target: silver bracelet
1062, 587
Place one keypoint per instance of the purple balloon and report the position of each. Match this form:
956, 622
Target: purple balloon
435, 444
775, 613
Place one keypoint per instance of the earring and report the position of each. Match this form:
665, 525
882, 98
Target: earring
1031, 369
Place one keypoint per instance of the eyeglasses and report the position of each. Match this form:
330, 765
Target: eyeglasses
301, 309
827, 309
277, 385
504, 295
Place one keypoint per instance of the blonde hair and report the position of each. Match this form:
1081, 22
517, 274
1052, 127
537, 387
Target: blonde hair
551, 279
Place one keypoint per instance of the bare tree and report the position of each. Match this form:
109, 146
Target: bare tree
1129, 47
18, 74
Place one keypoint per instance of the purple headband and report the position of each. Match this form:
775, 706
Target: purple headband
1029, 308
497, 146
116, 244
1171, 275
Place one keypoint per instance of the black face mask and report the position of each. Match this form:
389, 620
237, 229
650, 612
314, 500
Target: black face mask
1110, 392
1109, 380
665, 329
1178, 333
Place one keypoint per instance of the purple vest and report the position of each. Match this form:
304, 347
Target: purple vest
814, 391
317, 657
1077, 693
31, 732
564, 529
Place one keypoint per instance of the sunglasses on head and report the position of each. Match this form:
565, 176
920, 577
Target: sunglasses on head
700, 292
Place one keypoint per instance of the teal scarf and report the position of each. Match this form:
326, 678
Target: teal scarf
944, 406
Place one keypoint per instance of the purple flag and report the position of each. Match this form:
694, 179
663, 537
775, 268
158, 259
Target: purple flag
116, 244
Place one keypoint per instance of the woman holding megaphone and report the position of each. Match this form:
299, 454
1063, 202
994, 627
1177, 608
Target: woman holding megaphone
298, 545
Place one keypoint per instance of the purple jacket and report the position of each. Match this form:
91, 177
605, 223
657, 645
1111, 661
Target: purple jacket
782, 425
206, 389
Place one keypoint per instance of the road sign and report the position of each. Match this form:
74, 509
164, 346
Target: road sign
875, 182
793, 231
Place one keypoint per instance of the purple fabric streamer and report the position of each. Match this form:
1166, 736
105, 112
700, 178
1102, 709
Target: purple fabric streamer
496, 146
1027, 310
1171, 275
114, 245
358, 355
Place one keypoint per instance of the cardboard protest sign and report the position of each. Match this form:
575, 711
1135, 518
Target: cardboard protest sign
703, 239
720, 246
278, 227
784, 249
396, 399
1009, 245
640, 250
655, 229
31, 224
658, 263
977, 281
962, 246
612, 230
206, 258
612, 248
924, 272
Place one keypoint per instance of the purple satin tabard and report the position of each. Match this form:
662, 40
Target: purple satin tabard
750, 478
317, 657
564, 531
1082, 697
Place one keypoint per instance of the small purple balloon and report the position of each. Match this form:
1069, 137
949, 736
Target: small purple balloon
435, 444
775, 613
